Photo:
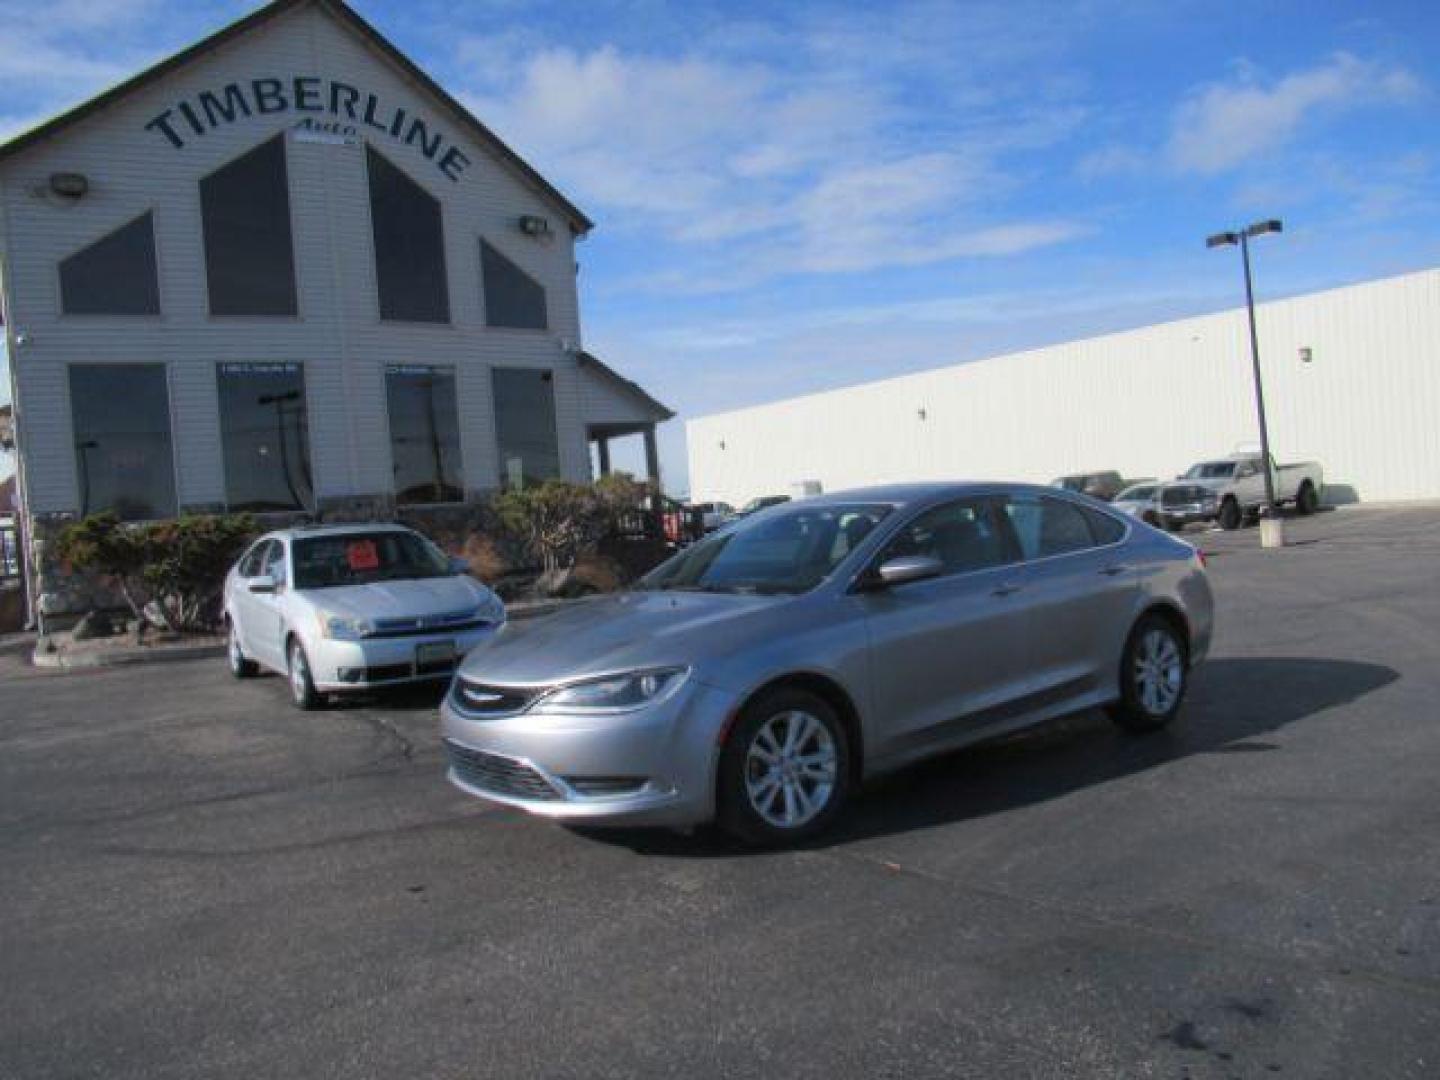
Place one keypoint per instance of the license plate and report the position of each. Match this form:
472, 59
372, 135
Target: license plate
436, 652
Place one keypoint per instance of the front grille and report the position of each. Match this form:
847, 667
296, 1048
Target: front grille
481, 699
1183, 496
500, 775
454, 622
598, 786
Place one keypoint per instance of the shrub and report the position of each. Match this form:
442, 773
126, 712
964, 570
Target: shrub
557, 521
176, 566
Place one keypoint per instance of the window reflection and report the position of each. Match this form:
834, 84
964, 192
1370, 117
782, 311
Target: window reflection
264, 431
424, 434
123, 457
525, 426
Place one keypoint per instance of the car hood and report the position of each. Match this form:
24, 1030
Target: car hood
616, 633
414, 598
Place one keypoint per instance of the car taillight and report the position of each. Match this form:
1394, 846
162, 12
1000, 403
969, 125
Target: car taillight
1200, 558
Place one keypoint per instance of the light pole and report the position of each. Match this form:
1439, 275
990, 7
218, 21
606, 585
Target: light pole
1242, 238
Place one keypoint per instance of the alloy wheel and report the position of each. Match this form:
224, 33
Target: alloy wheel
1159, 671
791, 768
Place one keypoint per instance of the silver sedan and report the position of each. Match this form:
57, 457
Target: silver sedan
758, 677
336, 608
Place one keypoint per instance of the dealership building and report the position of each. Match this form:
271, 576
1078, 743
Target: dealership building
1351, 378
284, 271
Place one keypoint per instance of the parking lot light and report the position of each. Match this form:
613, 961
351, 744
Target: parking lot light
1242, 239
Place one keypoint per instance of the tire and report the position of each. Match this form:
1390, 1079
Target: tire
1154, 675
303, 694
807, 782
235, 659
1307, 500
1230, 517
1152, 519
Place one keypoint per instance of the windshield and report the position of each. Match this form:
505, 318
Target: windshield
1211, 470
785, 551
322, 562
1138, 493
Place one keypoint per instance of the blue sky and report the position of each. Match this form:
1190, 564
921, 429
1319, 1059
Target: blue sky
798, 196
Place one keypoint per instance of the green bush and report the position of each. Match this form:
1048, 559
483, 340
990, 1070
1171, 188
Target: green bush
557, 521
178, 566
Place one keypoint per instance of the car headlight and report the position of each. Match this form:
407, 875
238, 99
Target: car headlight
614, 693
344, 627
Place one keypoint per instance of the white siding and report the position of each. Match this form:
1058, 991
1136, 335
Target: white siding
1147, 402
338, 335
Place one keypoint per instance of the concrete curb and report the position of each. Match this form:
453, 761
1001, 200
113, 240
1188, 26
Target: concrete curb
139, 654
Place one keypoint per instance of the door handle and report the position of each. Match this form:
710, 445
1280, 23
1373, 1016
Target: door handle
1006, 589
1111, 571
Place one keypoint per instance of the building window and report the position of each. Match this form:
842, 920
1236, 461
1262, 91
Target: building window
123, 457
245, 213
409, 246
264, 433
512, 297
525, 426
424, 434
116, 275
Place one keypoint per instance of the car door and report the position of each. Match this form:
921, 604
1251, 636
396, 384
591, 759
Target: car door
945, 649
246, 607
1080, 592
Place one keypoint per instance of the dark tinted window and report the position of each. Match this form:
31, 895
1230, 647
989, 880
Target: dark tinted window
1048, 526
265, 436
964, 535
512, 297
409, 245
249, 256
123, 458
115, 275
525, 426
254, 559
424, 434
1103, 528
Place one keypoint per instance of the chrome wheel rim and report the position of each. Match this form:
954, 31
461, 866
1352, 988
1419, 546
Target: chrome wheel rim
1159, 672
790, 769
297, 674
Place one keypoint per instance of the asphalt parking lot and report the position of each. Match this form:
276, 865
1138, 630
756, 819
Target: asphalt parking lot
197, 881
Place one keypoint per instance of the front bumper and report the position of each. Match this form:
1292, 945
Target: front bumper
654, 766
337, 666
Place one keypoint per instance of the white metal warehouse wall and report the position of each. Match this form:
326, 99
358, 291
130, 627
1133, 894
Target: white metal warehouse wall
1147, 402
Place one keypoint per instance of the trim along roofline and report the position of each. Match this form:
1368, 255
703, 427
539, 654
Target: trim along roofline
345, 16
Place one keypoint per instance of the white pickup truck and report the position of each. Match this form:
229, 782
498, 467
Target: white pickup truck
1239, 486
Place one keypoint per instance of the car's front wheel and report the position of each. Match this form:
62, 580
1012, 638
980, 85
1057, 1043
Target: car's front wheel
302, 686
240, 666
1153, 676
1231, 516
784, 770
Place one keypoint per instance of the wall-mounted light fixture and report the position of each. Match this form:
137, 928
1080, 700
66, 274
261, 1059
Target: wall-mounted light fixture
534, 225
722, 444
69, 185
1305, 354
921, 413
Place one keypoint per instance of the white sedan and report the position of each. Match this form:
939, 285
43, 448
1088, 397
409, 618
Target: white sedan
349, 607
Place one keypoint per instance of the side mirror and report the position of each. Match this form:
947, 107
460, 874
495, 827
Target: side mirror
265, 583
459, 565
908, 568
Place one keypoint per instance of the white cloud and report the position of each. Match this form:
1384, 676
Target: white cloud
1222, 125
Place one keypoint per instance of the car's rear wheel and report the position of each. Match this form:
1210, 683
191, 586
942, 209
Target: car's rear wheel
302, 686
1153, 676
784, 770
240, 666
1230, 516
1307, 500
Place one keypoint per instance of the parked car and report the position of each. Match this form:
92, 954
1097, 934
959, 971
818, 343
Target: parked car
759, 676
352, 607
1182, 503
1098, 485
1140, 500
1238, 483
713, 514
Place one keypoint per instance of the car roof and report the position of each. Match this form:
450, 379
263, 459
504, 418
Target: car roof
916, 493
339, 529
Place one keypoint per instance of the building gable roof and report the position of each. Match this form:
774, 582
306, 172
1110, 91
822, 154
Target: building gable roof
659, 411
345, 16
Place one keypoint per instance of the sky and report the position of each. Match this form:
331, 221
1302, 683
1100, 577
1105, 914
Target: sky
793, 197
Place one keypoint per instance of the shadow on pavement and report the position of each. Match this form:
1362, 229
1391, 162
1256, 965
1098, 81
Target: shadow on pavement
1232, 704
